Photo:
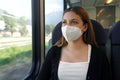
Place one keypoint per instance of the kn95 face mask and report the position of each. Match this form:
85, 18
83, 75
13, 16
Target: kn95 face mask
71, 33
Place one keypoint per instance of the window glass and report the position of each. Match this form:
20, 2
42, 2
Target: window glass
15, 39
53, 15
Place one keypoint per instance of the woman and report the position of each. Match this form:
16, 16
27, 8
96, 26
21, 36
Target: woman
76, 55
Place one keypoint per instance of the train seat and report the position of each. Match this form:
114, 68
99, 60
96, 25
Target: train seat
56, 33
114, 36
100, 34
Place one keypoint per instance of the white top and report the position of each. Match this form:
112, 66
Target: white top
74, 71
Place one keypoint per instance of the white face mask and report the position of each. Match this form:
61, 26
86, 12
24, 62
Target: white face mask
71, 33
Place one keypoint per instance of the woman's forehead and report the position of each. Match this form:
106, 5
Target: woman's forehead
70, 16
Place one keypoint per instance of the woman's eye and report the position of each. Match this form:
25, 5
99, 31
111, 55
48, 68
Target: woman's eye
63, 22
74, 22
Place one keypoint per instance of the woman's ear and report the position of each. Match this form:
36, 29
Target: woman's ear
85, 27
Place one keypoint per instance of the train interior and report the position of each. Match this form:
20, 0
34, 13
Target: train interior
28, 31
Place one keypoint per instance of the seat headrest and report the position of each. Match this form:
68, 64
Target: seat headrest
114, 33
99, 33
56, 34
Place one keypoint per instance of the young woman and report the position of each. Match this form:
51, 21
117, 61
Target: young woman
76, 56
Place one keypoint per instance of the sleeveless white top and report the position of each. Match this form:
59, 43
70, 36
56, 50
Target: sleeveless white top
74, 71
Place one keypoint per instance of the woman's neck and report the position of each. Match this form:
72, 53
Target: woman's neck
76, 44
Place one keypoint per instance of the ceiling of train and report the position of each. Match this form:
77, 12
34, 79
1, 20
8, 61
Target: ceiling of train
94, 3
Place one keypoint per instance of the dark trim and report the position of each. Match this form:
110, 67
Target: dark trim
65, 4
35, 41
43, 29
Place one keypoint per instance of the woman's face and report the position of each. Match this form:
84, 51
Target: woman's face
72, 19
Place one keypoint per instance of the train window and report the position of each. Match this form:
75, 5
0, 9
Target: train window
15, 39
53, 15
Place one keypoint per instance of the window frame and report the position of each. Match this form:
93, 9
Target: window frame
37, 38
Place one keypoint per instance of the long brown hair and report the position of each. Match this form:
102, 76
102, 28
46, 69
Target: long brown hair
88, 36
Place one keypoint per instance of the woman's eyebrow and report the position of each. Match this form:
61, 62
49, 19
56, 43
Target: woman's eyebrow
71, 19
74, 19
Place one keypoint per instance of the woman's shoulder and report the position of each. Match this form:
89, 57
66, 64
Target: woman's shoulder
99, 51
98, 48
54, 50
